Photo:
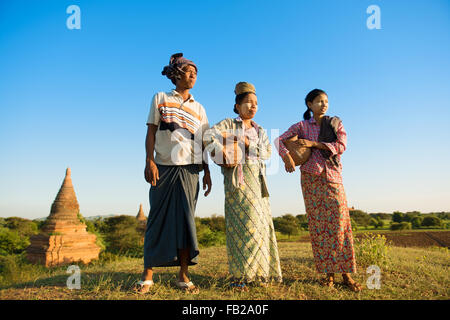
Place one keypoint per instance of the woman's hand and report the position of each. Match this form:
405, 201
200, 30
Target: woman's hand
151, 172
305, 143
289, 164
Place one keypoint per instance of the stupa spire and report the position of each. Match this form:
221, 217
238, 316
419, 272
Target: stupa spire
141, 216
63, 238
65, 206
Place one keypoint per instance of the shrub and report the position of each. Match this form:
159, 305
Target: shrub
106, 257
380, 215
122, 236
215, 223
11, 242
401, 226
431, 221
15, 268
39, 223
208, 238
416, 222
410, 215
287, 224
397, 217
372, 250
302, 218
303, 221
354, 225
24, 227
360, 217
443, 215
91, 228
373, 222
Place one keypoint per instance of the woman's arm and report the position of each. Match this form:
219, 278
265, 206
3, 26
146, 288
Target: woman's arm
294, 130
339, 146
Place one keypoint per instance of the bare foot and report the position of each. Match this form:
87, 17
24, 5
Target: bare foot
328, 281
351, 284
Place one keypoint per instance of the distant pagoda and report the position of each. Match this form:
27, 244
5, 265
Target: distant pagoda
63, 238
141, 216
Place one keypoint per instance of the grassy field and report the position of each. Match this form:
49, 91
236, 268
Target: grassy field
400, 238
413, 273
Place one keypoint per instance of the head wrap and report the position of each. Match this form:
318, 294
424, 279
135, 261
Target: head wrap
243, 87
175, 68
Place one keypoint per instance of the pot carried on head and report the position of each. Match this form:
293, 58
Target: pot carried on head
299, 154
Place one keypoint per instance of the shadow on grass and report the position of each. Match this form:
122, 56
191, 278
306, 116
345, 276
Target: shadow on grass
120, 281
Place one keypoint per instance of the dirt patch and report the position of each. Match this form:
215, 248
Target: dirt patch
409, 238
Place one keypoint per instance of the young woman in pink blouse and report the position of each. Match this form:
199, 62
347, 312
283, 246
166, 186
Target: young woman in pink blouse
325, 201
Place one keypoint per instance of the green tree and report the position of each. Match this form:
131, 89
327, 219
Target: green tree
287, 224
303, 221
373, 222
401, 225
24, 227
122, 235
215, 223
381, 215
431, 221
11, 242
380, 223
416, 222
206, 237
410, 215
397, 216
354, 224
361, 217
442, 215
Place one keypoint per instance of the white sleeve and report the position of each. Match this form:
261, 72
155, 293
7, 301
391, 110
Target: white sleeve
154, 116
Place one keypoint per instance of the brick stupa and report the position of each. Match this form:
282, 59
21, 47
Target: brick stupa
63, 238
141, 216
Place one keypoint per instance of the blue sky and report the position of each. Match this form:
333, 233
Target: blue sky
80, 98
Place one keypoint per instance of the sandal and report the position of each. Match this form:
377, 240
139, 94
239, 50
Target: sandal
353, 286
144, 286
239, 286
188, 287
327, 282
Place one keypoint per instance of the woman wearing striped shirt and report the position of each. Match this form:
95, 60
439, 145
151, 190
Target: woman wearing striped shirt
325, 200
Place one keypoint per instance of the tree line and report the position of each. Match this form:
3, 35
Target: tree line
124, 235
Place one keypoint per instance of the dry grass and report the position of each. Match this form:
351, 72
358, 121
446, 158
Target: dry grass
414, 273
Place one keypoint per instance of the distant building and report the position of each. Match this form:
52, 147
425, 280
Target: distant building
63, 238
141, 216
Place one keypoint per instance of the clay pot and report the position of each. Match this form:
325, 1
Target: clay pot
299, 154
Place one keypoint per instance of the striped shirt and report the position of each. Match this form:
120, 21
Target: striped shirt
181, 124
316, 164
